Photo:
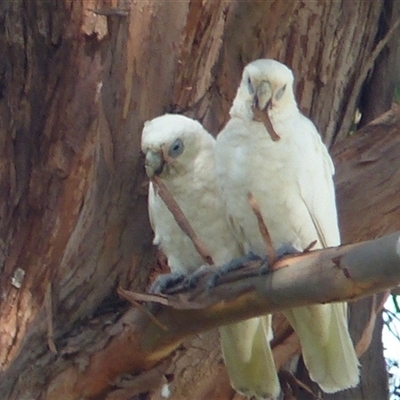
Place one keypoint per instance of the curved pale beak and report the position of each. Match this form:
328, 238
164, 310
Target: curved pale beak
263, 95
154, 163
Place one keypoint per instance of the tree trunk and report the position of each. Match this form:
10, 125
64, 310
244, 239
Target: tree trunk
377, 93
77, 81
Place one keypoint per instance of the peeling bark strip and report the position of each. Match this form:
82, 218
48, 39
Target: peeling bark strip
262, 116
270, 251
181, 219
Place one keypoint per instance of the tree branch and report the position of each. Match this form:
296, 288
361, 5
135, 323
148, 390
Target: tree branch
323, 276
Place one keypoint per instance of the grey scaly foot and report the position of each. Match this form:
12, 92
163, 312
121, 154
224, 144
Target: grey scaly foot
192, 280
286, 250
233, 265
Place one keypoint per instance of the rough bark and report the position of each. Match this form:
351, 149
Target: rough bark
75, 89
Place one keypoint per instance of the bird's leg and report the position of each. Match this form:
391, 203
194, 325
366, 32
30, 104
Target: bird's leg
233, 265
283, 251
165, 281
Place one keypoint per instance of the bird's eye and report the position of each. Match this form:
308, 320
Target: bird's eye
250, 85
176, 148
280, 92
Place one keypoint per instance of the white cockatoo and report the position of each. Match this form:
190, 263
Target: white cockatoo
181, 152
291, 180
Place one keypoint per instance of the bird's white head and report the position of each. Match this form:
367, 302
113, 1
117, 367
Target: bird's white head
266, 84
171, 144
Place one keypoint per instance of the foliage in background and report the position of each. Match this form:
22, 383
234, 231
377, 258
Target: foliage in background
396, 97
391, 340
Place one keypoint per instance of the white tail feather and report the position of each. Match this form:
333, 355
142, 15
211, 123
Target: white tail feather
248, 357
327, 348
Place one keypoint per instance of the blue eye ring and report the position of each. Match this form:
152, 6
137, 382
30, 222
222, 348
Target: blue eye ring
176, 148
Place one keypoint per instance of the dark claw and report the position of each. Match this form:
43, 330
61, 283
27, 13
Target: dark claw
283, 251
166, 281
265, 267
229, 267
